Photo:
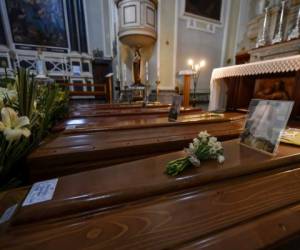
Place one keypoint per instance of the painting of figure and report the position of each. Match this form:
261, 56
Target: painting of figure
208, 9
2, 35
37, 22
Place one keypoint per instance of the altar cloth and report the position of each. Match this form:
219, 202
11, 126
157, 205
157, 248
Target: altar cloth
218, 87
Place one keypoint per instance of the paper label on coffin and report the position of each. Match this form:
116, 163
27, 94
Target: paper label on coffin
40, 192
265, 123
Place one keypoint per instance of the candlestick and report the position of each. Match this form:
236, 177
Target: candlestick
279, 35
262, 41
295, 33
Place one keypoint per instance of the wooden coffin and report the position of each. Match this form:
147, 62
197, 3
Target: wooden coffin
98, 106
127, 112
96, 124
73, 153
137, 118
251, 201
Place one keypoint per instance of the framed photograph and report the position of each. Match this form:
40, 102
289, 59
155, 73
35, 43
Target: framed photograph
175, 108
208, 10
265, 122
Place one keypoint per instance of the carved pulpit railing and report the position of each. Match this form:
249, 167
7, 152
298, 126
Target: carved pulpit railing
233, 87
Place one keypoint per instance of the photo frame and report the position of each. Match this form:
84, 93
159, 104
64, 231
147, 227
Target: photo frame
175, 108
210, 11
265, 122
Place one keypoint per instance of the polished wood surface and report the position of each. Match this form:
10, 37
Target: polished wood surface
90, 125
126, 112
107, 187
111, 120
116, 105
66, 154
110, 91
209, 215
268, 231
186, 90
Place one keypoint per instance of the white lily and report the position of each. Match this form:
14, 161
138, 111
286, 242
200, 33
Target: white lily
12, 126
213, 139
192, 147
221, 158
203, 134
194, 160
196, 142
212, 151
12, 94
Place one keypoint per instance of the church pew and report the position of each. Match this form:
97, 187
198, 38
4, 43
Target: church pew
66, 154
203, 215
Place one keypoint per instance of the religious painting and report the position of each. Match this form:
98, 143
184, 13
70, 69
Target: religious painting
2, 35
37, 22
266, 121
274, 88
204, 9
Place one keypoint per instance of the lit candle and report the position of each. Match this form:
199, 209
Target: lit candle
202, 63
191, 63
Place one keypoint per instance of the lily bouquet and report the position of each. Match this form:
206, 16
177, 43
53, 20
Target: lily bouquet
28, 110
204, 147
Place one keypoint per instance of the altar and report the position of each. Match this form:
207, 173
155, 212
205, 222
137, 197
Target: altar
232, 88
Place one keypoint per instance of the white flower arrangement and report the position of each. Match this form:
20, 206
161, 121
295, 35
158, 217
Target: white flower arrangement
12, 126
204, 147
28, 111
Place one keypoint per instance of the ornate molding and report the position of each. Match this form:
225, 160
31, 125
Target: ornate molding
201, 23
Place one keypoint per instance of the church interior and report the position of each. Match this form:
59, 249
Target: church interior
150, 124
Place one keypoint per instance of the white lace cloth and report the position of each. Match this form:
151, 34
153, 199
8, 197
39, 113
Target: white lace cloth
218, 87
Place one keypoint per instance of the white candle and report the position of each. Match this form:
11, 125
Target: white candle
158, 73
147, 74
118, 72
124, 73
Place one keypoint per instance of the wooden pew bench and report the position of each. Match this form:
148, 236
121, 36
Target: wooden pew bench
89, 89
